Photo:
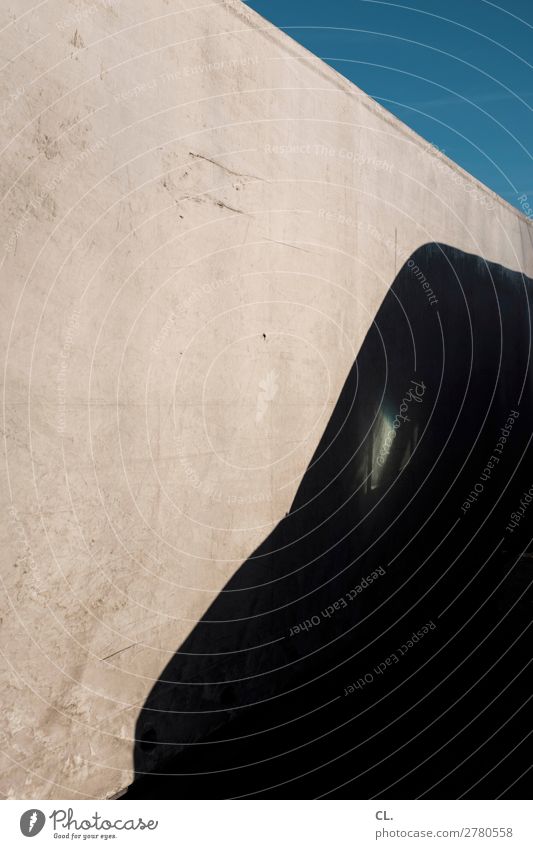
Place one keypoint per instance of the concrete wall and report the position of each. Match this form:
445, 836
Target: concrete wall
200, 221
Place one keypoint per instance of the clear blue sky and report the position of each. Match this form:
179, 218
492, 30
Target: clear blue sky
459, 72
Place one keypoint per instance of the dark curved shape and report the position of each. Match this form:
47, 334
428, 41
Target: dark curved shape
251, 705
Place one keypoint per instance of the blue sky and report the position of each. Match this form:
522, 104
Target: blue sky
459, 72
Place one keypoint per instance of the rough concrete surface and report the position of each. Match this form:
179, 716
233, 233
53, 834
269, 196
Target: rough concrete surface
199, 222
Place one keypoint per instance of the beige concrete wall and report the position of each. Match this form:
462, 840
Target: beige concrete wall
199, 222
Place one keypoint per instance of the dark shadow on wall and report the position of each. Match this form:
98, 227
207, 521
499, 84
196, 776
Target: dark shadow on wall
375, 643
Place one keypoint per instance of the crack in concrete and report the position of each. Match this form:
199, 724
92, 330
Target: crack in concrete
224, 168
118, 652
